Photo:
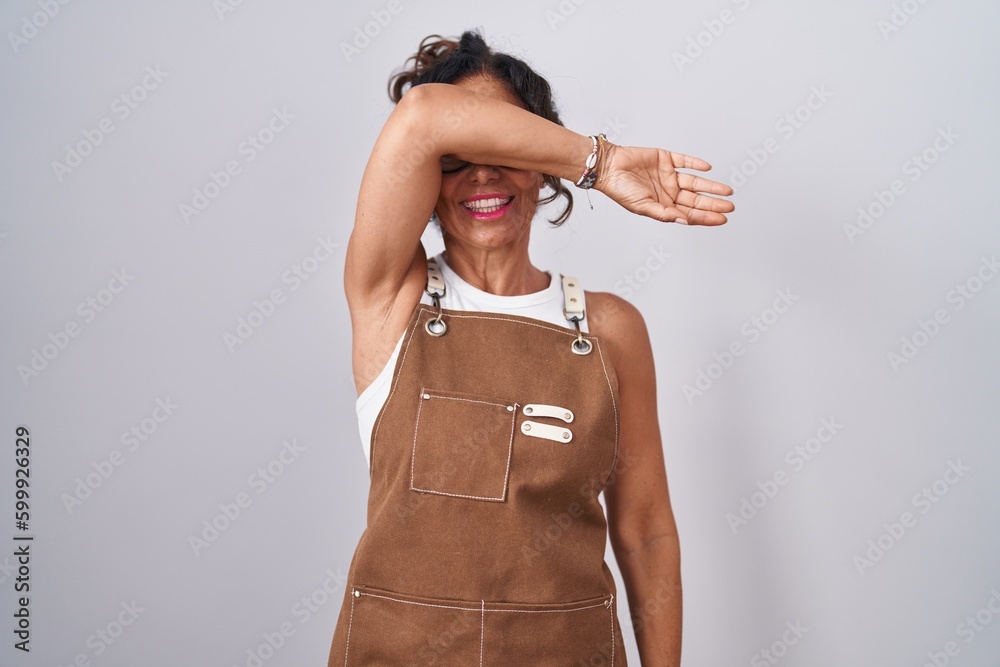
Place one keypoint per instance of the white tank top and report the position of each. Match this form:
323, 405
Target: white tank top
546, 305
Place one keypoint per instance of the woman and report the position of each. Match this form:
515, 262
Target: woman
501, 415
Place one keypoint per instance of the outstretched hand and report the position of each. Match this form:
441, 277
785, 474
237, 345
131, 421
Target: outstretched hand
646, 181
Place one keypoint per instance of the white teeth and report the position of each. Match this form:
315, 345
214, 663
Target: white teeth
487, 205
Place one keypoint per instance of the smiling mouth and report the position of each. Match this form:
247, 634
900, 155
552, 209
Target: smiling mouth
491, 205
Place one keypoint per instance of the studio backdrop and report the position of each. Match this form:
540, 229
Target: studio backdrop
182, 479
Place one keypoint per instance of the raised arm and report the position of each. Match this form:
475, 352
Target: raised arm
400, 186
402, 180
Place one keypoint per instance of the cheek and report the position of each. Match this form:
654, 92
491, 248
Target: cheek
538, 182
534, 187
529, 183
444, 197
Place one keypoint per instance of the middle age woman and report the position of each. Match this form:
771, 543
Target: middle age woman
512, 397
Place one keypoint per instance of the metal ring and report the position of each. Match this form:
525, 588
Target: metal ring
581, 345
436, 320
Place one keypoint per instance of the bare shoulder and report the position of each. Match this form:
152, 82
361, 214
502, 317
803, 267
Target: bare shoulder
620, 325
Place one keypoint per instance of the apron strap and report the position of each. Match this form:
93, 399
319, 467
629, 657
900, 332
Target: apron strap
573, 305
435, 288
573, 309
435, 281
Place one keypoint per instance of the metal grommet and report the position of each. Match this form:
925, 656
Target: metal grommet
443, 326
581, 345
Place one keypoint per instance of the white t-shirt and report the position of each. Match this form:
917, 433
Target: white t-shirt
546, 305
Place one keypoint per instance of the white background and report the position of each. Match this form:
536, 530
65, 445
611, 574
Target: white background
894, 77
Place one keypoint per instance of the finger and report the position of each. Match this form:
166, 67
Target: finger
704, 202
682, 161
696, 216
657, 211
699, 184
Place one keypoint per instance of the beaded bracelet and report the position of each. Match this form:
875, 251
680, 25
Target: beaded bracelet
589, 177
590, 170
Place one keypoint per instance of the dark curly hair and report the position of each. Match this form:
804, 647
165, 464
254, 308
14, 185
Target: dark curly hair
441, 60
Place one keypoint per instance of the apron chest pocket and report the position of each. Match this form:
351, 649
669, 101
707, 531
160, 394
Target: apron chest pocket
462, 444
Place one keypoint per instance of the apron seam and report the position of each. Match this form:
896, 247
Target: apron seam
538, 323
347, 647
614, 404
483, 606
614, 612
395, 383
402, 374
604, 368
416, 430
610, 605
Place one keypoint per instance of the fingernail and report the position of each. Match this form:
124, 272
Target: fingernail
682, 221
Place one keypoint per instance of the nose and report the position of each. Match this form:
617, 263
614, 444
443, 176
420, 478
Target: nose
483, 173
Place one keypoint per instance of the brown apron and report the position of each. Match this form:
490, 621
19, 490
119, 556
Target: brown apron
485, 538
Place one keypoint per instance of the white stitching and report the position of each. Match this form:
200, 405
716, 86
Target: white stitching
459, 398
480, 317
416, 428
394, 383
349, 623
455, 495
482, 620
510, 447
562, 330
483, 608
614, 405
567, 332
611, 606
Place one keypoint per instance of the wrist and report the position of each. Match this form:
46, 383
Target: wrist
589, 175
605, 157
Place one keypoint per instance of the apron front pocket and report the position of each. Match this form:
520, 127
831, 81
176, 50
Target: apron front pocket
405, 630
462, 444
574, 634
401, 630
